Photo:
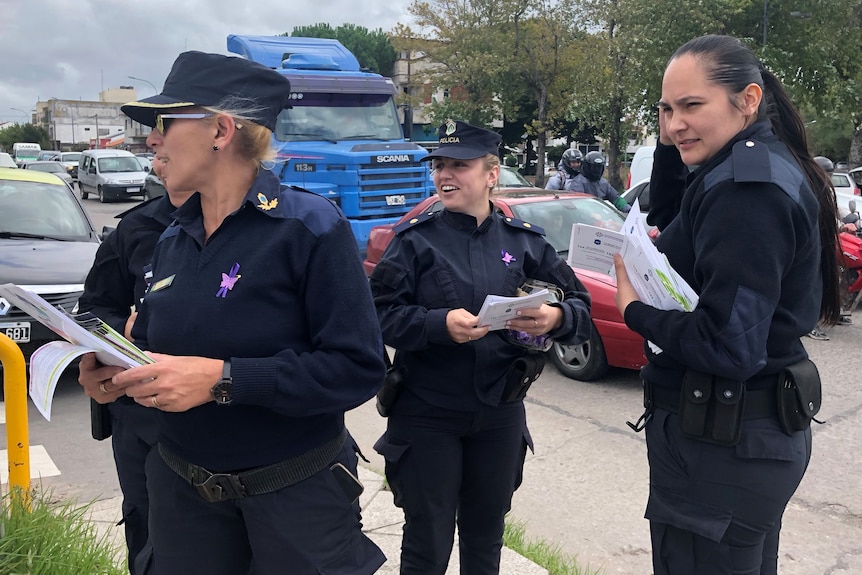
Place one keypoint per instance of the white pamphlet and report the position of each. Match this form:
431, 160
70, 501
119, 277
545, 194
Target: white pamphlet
497, 310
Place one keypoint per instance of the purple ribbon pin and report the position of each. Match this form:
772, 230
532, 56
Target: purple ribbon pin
228, 281
507, 257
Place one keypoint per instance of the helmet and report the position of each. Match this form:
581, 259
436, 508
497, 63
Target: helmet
569, 156
593, 166
825, 163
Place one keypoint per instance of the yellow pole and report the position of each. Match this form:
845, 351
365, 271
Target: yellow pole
17, 432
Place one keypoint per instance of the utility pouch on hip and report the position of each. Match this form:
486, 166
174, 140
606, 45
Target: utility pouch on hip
711, 408
799, 396
694, 402
521, 375
393, 384
100, 420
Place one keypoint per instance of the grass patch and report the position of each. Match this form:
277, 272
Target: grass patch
52, 538
541, 553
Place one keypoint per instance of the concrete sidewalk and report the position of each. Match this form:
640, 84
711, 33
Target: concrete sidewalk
381, 520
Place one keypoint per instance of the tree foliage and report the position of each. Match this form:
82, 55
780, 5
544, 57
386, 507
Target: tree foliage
23, 133
372, 48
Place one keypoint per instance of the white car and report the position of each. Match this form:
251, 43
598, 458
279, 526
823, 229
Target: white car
6, 161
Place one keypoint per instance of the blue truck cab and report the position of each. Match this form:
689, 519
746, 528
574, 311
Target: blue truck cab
340, 136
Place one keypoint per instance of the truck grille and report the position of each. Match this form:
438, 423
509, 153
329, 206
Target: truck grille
377, 181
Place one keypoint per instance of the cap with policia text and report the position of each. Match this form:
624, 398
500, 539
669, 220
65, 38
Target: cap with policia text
462, 141
201, 79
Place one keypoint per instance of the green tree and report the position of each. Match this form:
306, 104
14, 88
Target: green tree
24, 133
372, 48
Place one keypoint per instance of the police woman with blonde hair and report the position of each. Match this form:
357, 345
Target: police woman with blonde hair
263, 330
748, 219
457, 435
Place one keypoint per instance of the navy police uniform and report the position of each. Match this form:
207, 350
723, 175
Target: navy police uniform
278, 290
716, 509
114, 285
453, 446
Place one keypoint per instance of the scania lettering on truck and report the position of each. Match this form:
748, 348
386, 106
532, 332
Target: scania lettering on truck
25, 152
340, 137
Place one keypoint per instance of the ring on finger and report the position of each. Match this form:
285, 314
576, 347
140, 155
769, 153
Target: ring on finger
102, 387
155, 402
535, 323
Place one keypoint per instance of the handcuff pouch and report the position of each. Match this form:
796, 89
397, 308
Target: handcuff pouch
521, 375
799, 396
694, 402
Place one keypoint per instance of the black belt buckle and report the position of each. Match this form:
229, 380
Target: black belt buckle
220, 487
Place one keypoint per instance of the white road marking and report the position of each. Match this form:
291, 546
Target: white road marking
41, 464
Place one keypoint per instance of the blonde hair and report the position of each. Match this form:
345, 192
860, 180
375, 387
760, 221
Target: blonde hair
489, 162
254, 142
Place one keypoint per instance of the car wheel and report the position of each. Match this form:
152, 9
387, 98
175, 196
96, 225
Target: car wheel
146, 194
102, 197
584, 362
83, 193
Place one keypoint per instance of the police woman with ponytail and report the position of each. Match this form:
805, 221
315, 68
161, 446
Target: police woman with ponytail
726, 451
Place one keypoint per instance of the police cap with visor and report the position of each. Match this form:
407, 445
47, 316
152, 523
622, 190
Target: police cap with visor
202, 79
461, 141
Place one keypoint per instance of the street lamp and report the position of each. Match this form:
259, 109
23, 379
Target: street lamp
794, 14
22, 111
156, 90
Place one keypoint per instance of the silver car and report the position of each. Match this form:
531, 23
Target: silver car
51, 167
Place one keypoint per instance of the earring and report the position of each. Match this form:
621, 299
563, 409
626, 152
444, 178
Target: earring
215, 148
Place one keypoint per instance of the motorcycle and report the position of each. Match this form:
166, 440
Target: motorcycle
850, 261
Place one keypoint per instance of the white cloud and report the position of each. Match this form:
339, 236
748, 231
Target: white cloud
73, 50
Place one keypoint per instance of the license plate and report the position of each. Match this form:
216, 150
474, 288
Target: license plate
18, 331
395, 200
133, 190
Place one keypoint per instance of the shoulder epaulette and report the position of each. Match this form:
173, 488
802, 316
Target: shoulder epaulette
137, 207
522, 225
751, 162
412, 222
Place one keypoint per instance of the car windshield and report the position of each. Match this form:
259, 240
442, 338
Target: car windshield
119, 164
49, 167
557, 217
70, 157
41, 209
338, 117
509, 178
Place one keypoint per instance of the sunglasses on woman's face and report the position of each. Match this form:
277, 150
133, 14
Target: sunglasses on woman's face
163, 121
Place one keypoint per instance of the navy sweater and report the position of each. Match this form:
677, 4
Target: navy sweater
742, 230
279, 291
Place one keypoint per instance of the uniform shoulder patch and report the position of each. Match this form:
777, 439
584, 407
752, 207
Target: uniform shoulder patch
414, 221
751, 162
522, 225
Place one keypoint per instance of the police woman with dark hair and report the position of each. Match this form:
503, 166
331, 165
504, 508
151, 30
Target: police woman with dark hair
263, 330
729, 387
457, 436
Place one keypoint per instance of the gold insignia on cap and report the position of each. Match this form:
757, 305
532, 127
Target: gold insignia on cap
450, 127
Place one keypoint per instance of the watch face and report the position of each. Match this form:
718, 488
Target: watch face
221, 392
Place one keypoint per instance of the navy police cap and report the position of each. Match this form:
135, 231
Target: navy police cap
201, 79
462, 141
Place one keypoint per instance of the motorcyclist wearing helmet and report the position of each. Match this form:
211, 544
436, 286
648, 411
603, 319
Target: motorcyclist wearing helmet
569, 167
825, 163
590, 181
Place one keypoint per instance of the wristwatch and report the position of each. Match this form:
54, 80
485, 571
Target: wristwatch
221, 390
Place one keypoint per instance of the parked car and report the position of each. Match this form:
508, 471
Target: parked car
146, 160
69, 160
153, 186
47, 155
47, 245
50, 167
845, 184
6, 161
110, 175
611, 343
641, 166
856, 174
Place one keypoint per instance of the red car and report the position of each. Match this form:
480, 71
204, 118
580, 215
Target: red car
611, 343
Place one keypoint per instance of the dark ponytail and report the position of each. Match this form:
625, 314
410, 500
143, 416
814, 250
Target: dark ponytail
729, 63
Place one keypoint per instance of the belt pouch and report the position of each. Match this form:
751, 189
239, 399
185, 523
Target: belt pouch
799, 396
100, 420
521, 375
694, 403
729, 401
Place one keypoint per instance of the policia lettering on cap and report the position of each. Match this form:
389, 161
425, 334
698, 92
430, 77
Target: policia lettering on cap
456, 434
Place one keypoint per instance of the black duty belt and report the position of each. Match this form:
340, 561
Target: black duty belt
758, 403
223, 486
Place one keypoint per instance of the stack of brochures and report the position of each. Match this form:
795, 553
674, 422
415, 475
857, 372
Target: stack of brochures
83, 333
656, 282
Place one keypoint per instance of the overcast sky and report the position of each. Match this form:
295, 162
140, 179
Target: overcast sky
73, 49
